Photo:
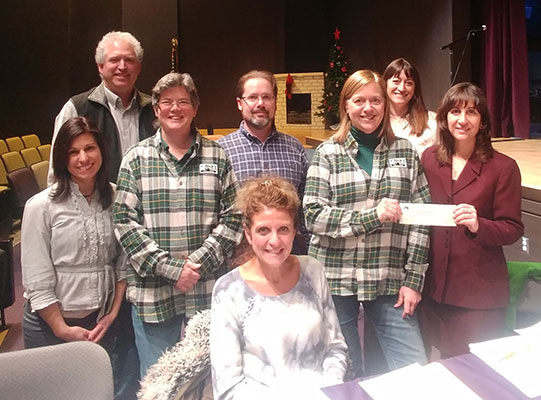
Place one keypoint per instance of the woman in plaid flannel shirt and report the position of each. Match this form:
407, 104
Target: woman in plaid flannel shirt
355, 184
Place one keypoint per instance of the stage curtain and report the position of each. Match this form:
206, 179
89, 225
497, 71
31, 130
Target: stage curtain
506, 68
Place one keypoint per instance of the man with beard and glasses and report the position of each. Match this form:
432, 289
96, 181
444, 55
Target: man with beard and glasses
257, 149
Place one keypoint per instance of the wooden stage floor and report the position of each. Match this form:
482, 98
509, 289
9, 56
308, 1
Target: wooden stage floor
527, 154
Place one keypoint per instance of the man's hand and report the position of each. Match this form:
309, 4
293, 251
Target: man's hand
189, 276
409, 298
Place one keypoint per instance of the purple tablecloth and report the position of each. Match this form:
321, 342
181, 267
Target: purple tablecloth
473, 372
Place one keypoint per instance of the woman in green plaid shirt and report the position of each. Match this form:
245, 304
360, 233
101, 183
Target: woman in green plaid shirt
355, 184
174, 217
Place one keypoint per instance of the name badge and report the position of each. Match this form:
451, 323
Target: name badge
208, 169
397, 163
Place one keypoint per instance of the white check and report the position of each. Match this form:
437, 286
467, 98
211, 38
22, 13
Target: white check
427, 214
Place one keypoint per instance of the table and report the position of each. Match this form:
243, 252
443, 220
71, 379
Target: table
473, 372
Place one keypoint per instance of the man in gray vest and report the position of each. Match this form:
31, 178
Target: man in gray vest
122, 113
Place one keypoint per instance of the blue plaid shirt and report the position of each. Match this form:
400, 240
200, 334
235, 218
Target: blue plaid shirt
280, 155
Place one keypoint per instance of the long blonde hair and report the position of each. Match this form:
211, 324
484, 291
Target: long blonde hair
354, 83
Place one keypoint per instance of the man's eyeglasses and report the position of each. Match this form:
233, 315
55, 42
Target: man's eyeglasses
168, 104
252, 99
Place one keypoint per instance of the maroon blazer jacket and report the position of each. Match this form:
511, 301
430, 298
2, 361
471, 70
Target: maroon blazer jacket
469, 270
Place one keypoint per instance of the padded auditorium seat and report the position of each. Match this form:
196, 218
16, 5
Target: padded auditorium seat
30, 156
15, 143
3, 146
13, 161
45, 151
40, 171
24, 185
31, 140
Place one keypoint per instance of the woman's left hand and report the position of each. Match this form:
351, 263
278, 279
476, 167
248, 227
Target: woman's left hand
101, 328
409, 298
466, 214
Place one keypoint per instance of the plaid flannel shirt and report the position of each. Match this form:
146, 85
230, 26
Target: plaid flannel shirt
280, 155
362, 256
167, 210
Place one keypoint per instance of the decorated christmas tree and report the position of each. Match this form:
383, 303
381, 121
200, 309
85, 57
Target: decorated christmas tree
335, 76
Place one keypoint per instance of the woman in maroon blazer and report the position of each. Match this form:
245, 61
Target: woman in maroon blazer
467, 287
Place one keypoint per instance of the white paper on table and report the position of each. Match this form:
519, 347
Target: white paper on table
427, 214
433, 381
516, 358
531, 330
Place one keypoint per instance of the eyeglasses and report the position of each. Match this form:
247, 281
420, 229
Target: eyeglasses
168, 104
252, 99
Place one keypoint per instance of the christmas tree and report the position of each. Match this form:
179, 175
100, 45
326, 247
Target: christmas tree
335, 77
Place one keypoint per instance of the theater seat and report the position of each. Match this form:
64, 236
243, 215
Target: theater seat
40, 170
3, 146
30, 156
15, 143
13, 161
45, 151
31, 140
24, 185
73, 370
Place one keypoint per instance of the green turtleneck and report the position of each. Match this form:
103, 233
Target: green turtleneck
367, 144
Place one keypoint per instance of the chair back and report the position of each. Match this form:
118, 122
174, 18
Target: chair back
45, 151
24, 185
73, 370
3, 175
15, 143
30, 156
13, 161
31, 140
3, 146
40, 171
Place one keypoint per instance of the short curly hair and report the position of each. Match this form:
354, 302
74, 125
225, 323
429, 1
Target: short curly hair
100, 55
268, 192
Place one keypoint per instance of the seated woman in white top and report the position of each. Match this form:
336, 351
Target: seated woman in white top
409, 117
72, 267
274, 330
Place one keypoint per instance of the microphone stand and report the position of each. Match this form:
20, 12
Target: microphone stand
449, 46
